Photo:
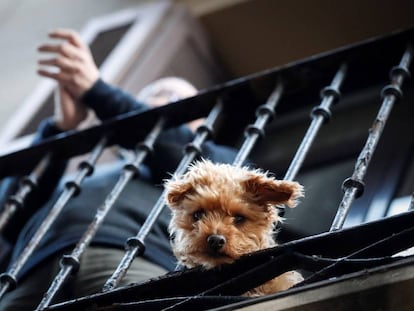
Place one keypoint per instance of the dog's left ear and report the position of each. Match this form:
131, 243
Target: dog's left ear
266, 190
176, 192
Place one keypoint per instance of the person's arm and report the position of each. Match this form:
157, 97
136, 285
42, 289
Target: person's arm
71, 64
78, 74
108, 101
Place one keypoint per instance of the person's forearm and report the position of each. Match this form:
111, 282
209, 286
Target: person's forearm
108, 101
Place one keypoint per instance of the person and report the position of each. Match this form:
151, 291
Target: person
72, 66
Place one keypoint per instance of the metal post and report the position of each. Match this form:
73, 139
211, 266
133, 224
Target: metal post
256, 130
27, 185
135, 246
72, 188
70, 263
320, 115
354, 186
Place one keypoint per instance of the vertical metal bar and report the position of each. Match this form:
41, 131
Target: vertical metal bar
72, 188
255, 131
411, 206
27, 185
135, 246
354, 186
320, 115
70, 263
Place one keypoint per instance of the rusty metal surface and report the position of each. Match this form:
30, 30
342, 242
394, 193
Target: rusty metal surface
387, 288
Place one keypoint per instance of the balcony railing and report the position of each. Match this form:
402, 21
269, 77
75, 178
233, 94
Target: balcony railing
254, 103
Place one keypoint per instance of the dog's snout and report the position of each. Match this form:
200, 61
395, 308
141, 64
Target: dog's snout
216, 241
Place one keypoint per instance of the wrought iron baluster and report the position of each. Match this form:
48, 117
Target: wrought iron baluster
320, 115
27, 185
72, 188
70, 263
135, 246
256, 130
354, 186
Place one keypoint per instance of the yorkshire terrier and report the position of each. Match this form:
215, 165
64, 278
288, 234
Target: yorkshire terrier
221, 212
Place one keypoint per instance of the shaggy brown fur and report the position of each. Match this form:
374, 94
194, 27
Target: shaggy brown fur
221, 212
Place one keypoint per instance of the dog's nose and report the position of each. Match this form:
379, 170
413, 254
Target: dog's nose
216, 241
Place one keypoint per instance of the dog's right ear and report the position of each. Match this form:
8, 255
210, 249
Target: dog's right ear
176, 191
266, 190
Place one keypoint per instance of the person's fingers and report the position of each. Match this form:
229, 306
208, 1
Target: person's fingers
72, 63
63, 63
64, 49
61, 77
67, 34
74, 84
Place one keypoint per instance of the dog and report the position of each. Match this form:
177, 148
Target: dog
221, 212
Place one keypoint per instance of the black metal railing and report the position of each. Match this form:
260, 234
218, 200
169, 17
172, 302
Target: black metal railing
353, 69
9, 279
28, 184
354, 186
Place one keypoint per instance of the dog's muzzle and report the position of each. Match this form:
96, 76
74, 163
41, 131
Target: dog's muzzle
216, 242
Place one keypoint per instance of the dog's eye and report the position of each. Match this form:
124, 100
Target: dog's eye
238, 219
197, 215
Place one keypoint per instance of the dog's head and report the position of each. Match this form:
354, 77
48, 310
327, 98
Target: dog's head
220, 212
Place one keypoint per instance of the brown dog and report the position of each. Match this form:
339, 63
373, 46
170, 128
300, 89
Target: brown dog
221, 212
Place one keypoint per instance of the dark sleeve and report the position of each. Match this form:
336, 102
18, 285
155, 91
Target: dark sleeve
41, 194
108, 101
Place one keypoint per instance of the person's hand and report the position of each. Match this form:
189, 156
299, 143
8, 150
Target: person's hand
68, 112
72, 64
